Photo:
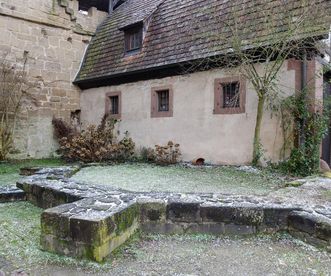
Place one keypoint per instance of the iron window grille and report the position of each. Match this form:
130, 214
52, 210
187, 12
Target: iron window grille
114, 105
163, 100
231, 94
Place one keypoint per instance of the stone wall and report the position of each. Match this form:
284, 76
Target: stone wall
53, 35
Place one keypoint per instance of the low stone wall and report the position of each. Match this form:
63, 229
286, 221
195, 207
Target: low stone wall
88, 221
10, 194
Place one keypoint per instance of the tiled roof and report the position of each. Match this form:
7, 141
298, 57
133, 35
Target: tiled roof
179, 31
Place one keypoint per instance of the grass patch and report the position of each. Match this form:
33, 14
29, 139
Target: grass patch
216, 179
9, 171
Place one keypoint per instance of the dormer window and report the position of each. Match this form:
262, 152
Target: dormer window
133, 39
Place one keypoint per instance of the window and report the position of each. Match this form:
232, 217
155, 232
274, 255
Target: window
162, 102
133, 39
229, 95
113, 104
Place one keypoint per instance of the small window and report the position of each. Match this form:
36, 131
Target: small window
113, 104
230, 95
133, 39
114, 101
162, 102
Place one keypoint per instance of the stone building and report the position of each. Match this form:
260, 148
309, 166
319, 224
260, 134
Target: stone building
53, 35
133, 68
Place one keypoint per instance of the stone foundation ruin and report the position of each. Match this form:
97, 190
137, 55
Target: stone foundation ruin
88, 221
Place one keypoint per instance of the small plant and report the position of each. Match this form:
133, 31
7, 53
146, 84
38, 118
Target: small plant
147, 155
167, 155
95, 144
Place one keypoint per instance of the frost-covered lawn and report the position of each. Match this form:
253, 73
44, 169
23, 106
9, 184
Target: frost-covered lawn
9, 171
156, 254
179, 178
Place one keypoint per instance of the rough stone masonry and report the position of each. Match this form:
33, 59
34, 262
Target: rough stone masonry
90, 221
53, 35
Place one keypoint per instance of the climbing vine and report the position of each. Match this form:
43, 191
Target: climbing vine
305, 123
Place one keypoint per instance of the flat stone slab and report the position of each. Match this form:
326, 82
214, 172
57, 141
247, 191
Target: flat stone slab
11, 193
90, 221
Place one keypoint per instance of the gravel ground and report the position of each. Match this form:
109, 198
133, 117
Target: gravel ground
198, 255
145, 177
157, 255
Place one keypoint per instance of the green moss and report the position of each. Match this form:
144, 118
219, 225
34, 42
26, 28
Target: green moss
294, 184
153, 211
126, 218
327, 195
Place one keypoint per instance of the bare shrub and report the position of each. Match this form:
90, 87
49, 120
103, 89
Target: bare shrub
95, 144
62, 129
166, 155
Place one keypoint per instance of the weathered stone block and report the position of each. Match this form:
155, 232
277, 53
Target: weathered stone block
183, 212
235, 229
11, 194
206, 228
89, 231
163, 228
153, 211
126, 218
314, 225
53, 223
302, 222
276, 218
232, 214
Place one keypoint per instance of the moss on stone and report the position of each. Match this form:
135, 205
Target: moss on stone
294, 184
153, 211
125, 219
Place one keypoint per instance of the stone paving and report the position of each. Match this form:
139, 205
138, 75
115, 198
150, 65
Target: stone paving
91, 221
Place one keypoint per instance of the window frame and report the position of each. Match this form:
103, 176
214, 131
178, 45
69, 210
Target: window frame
219, 95
108, 104
155, 113
131, 32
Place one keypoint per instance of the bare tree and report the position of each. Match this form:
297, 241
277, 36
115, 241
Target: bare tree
258, 37
14, 87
